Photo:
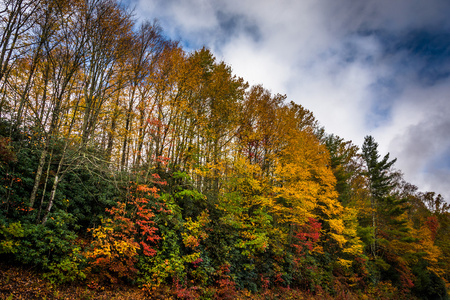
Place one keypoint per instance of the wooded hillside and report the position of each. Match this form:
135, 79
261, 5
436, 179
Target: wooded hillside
124, 158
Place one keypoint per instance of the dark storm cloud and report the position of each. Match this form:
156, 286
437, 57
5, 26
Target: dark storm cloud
426, 53
433, 50
387, 15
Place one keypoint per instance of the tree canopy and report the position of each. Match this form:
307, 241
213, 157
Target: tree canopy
124, 158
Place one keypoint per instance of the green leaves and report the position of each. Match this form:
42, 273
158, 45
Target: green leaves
11, 235
155, 165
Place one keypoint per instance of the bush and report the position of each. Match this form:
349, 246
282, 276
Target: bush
51, 247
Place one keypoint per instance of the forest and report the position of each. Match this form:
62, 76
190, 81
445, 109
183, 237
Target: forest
127, 161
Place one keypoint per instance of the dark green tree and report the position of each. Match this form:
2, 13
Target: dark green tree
380, 179
342, 161
391, 245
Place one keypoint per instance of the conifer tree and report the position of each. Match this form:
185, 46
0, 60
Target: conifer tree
392, 246
380, 181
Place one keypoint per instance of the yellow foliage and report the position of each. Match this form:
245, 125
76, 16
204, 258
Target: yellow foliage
354, 250
123, 247
344, 263
426, 245
336, 225
340, 239
195, 231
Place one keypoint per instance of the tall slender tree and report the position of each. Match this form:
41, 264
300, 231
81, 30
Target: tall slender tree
380, 181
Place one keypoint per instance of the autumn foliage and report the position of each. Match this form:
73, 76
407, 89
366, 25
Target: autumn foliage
126, 160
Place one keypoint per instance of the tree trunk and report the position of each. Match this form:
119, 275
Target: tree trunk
38, 176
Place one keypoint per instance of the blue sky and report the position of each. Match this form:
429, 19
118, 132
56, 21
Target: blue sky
377, 67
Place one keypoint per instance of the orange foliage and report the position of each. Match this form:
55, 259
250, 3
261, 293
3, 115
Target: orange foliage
118, 241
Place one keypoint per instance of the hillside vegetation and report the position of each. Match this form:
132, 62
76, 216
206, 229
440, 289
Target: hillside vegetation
129, 163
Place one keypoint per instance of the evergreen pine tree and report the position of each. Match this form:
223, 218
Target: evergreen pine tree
380, 182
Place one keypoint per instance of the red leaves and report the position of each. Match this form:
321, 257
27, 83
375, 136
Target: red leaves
142, 219
307, 235
197, 262
147, 250
226, 286
432, 224
146, 191
130, 230
406, 277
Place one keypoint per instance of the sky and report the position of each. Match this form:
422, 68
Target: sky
372, 67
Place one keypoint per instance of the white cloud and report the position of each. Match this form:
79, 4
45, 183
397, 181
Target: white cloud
331, 57
257, 66
420, 136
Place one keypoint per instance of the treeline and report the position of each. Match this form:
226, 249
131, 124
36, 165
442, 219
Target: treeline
123, 158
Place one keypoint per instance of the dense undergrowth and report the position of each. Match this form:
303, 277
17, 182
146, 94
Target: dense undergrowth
164, 237
23, 283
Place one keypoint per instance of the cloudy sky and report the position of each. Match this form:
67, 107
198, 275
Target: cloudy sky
372, 67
